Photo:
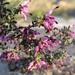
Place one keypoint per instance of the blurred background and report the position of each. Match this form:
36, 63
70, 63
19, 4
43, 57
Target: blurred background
66, 8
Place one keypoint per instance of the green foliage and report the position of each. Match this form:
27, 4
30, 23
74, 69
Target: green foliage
7, 17
58, 55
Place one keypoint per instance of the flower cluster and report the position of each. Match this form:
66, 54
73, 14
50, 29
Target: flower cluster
9, 56
40, 52
24, 8
47, 43
49, 20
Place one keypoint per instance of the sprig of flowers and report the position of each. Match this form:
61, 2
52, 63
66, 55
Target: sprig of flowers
43, 52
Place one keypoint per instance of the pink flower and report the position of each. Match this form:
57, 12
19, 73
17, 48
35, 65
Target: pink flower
41, 45
31, 65
48, 23
56, 43
42, 63
49, 20
53, 43
9, 55
24, 8
44, 42
47, 43
37, 65
36, 49
12, 55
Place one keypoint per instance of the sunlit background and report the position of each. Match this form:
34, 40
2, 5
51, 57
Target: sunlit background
38, 7
67, 7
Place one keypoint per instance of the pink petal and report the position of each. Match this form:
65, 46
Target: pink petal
24, 9
30, 65
43, 63
51, 11
46, 25
36, 48
40, 45
38, 65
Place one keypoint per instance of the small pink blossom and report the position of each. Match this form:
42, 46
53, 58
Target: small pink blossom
37, 65
24, 8
48, 23
47, 43
41, 45
31, 65
9, 55
12, 55
54, 42
44, 42
36, 49
49, 20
